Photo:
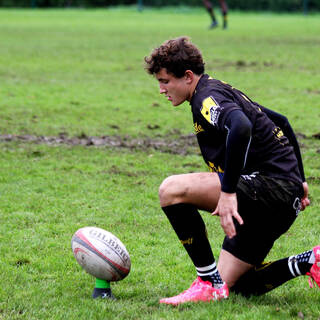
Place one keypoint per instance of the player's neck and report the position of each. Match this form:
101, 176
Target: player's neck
193, 86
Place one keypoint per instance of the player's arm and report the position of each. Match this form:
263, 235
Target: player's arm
239, 129
282, 122
238, 141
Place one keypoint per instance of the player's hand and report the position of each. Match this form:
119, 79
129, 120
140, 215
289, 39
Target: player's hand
226, 209
305, 200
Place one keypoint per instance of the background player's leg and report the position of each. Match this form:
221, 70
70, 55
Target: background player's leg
224, 11
209, 7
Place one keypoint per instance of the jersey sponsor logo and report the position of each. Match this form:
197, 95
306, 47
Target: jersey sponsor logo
197, 128
213, 168
211, 110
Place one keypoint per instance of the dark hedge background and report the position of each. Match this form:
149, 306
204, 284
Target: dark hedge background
254, 5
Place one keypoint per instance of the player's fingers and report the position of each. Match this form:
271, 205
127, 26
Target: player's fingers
215, 213
228, 226
231, 231
304, 203
238, 217
307, 202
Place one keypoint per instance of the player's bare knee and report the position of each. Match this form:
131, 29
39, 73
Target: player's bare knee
165, 191
169, 191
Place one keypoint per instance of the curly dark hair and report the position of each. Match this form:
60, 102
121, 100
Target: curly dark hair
176, 56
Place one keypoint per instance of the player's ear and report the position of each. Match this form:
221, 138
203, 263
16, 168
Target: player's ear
189, 75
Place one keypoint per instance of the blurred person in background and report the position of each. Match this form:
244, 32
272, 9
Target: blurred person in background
224, 10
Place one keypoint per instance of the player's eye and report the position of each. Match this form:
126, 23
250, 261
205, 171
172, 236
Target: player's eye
163, 81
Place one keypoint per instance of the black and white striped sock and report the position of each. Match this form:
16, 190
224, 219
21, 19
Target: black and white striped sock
210, 273
301, 263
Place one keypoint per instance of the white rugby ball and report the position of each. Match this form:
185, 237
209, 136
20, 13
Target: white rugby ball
101, 253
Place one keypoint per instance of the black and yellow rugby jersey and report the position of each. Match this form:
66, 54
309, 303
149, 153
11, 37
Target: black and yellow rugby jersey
269, 153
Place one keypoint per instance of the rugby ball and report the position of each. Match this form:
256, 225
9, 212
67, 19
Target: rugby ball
101, 253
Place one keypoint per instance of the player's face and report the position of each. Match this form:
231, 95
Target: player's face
175, 89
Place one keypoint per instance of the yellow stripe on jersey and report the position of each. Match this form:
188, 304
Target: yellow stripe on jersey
243, 96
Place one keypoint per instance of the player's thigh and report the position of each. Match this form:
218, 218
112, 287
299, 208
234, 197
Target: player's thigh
201, 189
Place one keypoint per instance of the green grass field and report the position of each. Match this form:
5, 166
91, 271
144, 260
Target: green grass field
68, 75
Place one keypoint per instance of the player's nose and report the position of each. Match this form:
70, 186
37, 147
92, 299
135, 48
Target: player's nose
162, 89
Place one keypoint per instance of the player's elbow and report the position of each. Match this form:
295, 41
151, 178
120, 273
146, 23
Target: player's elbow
244, 129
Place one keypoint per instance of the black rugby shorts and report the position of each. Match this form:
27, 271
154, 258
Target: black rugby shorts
268, 207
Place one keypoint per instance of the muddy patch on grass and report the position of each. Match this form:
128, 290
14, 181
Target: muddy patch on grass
218, 64
183, 144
